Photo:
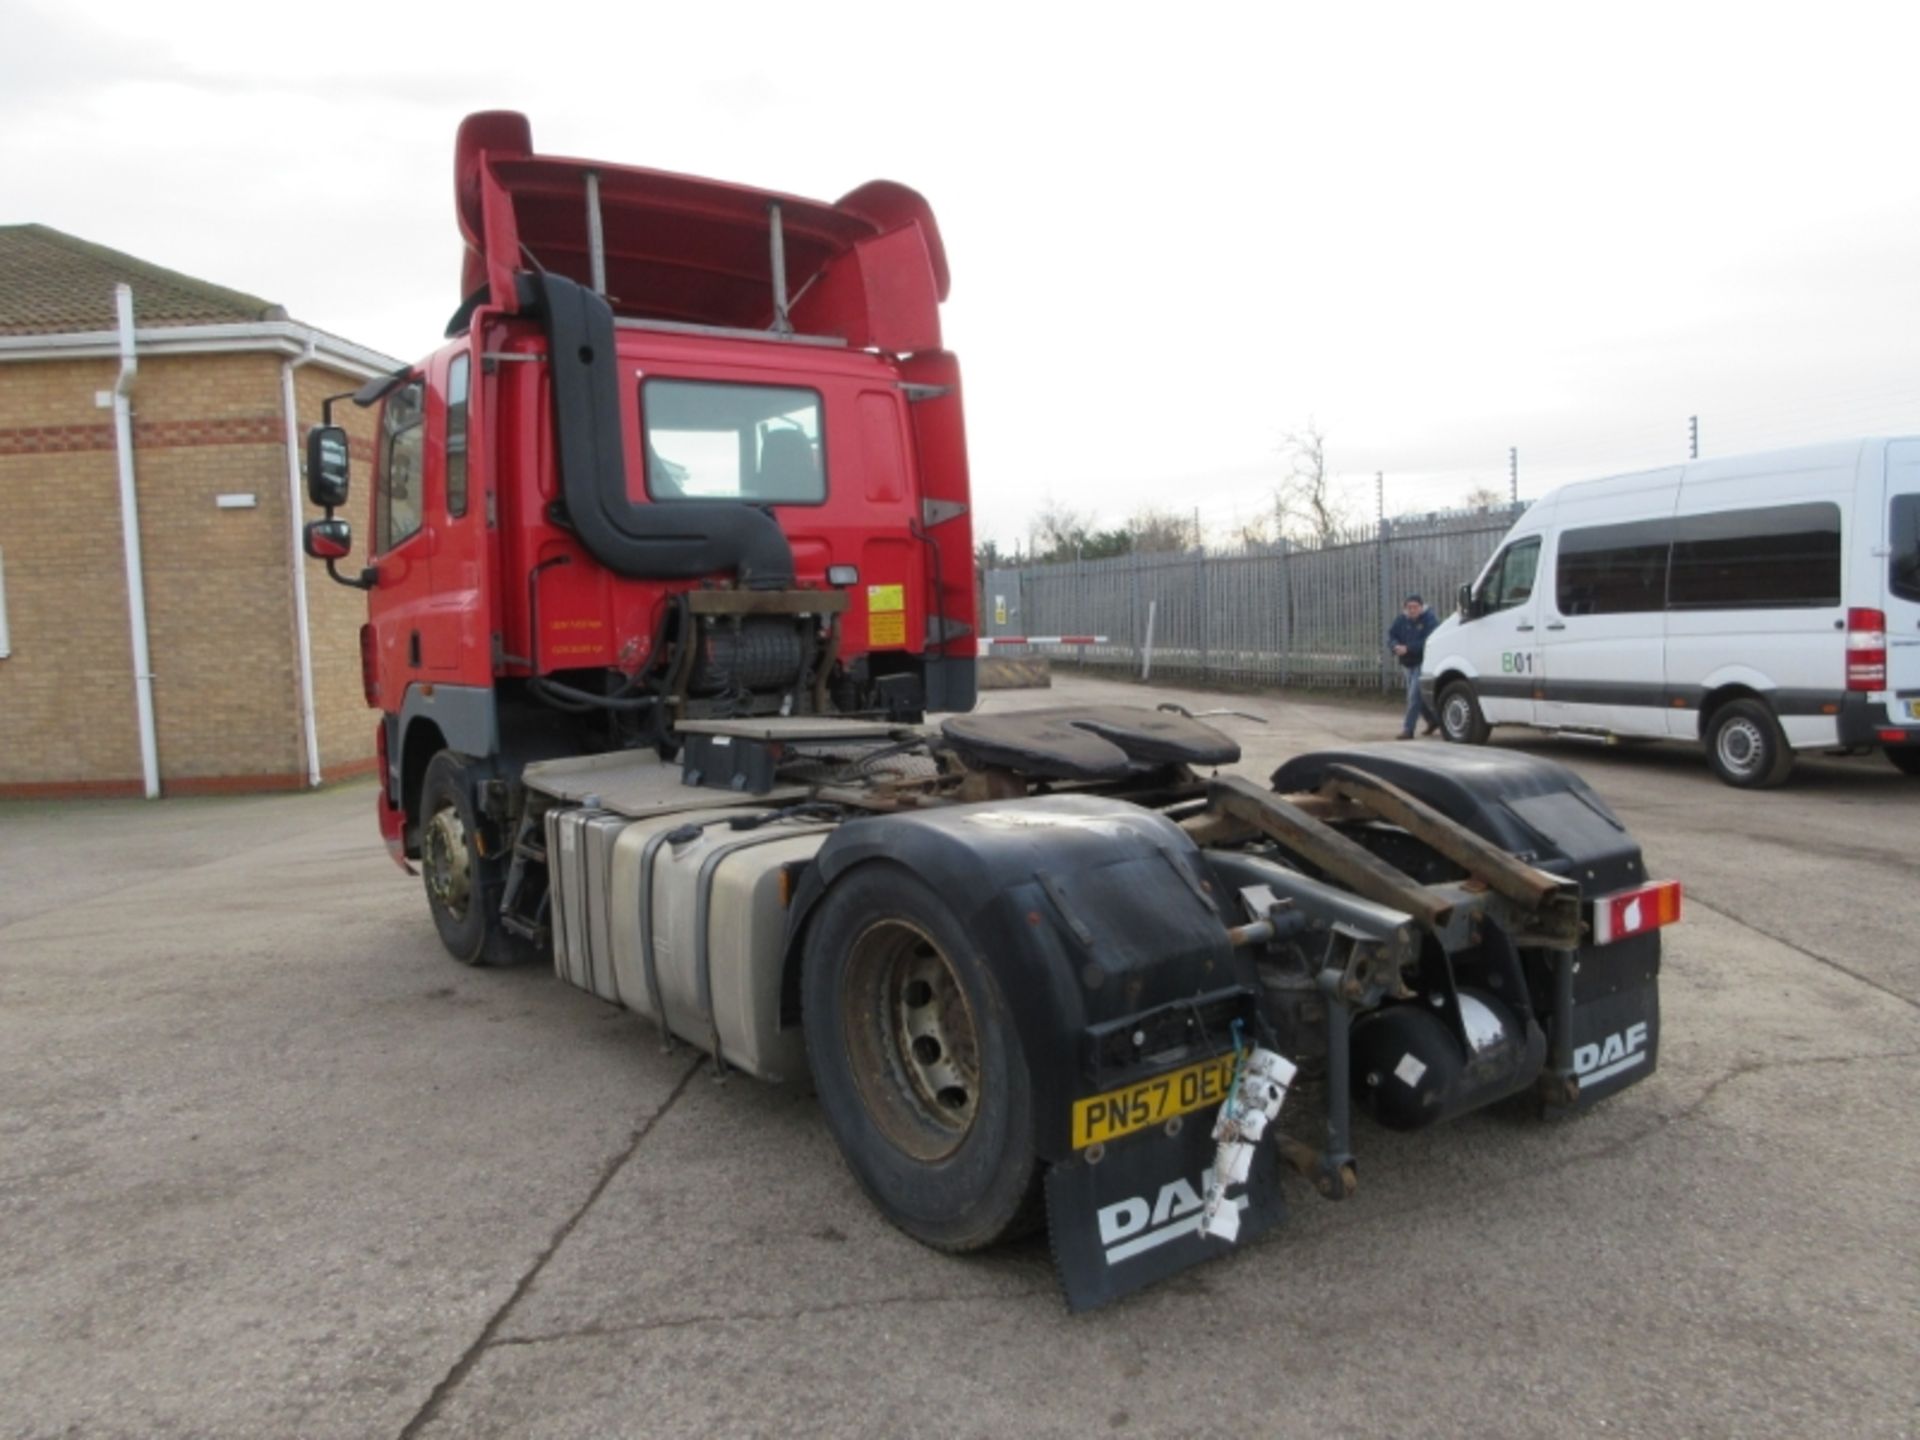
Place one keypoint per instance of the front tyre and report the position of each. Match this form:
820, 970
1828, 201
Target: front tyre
917, 1063
462, 887
1745, 746
1460, 719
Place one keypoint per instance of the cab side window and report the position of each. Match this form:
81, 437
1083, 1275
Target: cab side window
398, 503
1510, 579
457, 437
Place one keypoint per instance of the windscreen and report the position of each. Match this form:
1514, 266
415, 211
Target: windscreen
712, 441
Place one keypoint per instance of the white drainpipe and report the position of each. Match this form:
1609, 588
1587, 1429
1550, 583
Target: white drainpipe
297, 510
130, 542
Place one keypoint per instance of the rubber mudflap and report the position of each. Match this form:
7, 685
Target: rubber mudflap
1133, 1218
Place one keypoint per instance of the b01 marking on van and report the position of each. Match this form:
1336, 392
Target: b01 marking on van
1516, 662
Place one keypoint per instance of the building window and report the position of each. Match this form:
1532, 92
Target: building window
397, 488
457, 437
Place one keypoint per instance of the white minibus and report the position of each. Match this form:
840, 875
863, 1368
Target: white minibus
1762, 605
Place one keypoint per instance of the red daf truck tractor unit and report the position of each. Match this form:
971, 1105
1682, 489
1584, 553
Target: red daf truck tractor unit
647, 480
670, 561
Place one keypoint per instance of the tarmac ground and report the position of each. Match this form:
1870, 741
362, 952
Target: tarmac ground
272, 1164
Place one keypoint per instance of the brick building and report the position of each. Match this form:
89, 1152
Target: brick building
119, 377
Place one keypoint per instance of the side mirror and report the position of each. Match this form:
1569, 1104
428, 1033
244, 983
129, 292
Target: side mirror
327, 466
1466, 602
329, 539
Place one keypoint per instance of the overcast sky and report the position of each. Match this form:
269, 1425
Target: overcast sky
1177, 232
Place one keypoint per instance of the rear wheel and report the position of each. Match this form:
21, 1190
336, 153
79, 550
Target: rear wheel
1745, 746
463, 890
1905, 758
917, 1064
1460, 717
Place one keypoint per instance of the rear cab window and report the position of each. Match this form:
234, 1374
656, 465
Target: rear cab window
708, 440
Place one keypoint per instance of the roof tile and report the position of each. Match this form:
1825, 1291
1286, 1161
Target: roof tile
54, 284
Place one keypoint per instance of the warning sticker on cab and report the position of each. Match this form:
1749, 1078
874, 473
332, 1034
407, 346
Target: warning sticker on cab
886, 597
1100, 1118
887, 629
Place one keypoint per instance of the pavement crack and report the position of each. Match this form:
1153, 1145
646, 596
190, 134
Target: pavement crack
799, 1312
471, 1356
1704, 1098
1693, 898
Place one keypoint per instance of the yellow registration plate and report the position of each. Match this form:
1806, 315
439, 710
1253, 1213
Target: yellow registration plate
1100, 1118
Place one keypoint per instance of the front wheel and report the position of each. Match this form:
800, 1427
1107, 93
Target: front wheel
917, 1064
1460, 717
462, 888
1745, 746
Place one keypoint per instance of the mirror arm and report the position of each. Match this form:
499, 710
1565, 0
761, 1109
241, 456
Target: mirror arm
365, 580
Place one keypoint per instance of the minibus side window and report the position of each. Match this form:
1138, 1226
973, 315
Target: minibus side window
1903, 535
1754, 559
1613, 569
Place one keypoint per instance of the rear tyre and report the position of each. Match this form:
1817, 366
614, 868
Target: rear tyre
917, 1064
463, 887
1905, 758
1745, 746
1460, 717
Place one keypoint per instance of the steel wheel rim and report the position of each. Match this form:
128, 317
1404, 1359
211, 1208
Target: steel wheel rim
1741, 746
445, 859
912, 1039
1455, 716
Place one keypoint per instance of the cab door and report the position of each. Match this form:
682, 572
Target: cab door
453, 623
1501, 633
402, 544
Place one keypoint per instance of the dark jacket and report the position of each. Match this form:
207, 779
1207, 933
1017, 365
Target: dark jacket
1412, 634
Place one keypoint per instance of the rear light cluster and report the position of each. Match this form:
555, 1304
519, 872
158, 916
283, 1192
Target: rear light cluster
1634, 912
1866, 650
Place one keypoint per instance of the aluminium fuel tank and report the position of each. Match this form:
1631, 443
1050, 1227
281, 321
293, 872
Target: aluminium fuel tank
682, 918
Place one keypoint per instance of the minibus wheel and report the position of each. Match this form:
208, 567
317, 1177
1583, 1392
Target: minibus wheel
1745, 746
1460, 717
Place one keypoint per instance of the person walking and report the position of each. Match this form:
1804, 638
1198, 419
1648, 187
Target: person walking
1408, 637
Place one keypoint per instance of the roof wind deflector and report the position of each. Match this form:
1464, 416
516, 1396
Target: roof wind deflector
677, 541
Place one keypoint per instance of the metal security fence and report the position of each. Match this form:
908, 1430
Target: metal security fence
1285, 615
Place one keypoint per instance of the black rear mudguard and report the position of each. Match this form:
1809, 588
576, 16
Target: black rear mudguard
1605, 1034
1097, 920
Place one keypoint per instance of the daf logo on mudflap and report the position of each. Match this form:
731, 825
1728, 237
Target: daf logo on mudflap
1619, 1052
1132, 1226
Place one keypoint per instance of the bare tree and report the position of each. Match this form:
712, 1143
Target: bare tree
1305, 507
1254, 534
1484, 497
1060, 531
1159, 532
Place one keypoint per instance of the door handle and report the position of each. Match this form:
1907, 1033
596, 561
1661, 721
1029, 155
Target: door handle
1523, 627
1557, 625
